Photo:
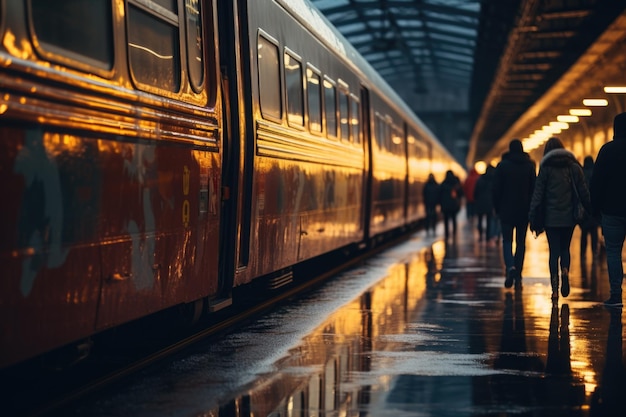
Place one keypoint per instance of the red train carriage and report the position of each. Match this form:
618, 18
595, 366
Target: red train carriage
110, 153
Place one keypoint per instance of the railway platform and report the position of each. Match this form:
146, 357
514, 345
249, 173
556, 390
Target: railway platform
426, 328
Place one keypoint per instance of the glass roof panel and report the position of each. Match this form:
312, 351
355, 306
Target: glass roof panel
433, 40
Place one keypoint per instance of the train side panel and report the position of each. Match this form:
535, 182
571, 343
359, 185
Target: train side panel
307, 176
418, 168
389, 170
114, 181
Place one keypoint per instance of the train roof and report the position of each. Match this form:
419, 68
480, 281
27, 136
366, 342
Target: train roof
310, 17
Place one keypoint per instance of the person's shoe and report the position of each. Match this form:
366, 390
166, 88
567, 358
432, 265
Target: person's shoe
614, 301
511, 274
565, 282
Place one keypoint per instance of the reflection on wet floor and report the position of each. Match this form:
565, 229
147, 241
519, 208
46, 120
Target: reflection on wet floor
425, 329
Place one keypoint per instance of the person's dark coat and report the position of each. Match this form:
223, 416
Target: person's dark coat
513, 185
483, 193
450, 193
557, 170
608, 194
430, 193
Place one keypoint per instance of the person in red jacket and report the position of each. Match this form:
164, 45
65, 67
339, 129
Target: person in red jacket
468, 191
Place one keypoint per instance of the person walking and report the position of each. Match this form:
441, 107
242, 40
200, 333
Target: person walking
483, 204
513, 184
559, 173
589, 228
430, 195
608, 199
450, 194
469, 187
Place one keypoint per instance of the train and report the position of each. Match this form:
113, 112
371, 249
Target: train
160, 154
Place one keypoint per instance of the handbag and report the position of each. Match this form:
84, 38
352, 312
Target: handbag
537, 217
580, 214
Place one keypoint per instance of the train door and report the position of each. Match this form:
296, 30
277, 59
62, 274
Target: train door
238, 151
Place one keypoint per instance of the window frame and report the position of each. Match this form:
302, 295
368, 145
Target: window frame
354, 100
59, 55
330, 135
274, 42
343, 92
320, 97
164, 15
198, 88
297, 58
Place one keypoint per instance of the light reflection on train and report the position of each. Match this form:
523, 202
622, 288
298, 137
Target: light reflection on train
158, 155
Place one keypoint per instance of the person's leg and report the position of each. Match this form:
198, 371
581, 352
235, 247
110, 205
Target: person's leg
507, 245
507, 254
566, 239
446, 222
554, 244
453, 217
479, 225
614, 231
520, 245
429, 219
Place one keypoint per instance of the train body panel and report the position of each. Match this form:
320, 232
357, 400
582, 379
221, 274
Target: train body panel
389, 170
200, 146
419, 155
307, 178
115, 192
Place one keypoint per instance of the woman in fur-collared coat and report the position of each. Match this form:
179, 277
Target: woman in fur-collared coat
553, 188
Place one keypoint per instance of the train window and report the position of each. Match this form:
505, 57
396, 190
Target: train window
330, 103
344, 115
295, 95
76, 29
397, 140
153, 41
314, 94
269, 79
380, 131
355, 120
195, 60
413, 146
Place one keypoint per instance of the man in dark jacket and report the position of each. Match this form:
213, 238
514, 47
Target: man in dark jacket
430, 195
513, 186
608, 198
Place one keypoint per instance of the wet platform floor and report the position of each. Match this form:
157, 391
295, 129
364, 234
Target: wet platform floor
424, 329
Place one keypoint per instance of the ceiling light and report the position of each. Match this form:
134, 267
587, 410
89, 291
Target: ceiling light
595, 102
551, 129
580, 112
615, 89
559, 125
567, 118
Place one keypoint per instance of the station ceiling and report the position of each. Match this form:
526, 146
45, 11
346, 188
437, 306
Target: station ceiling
495, 57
